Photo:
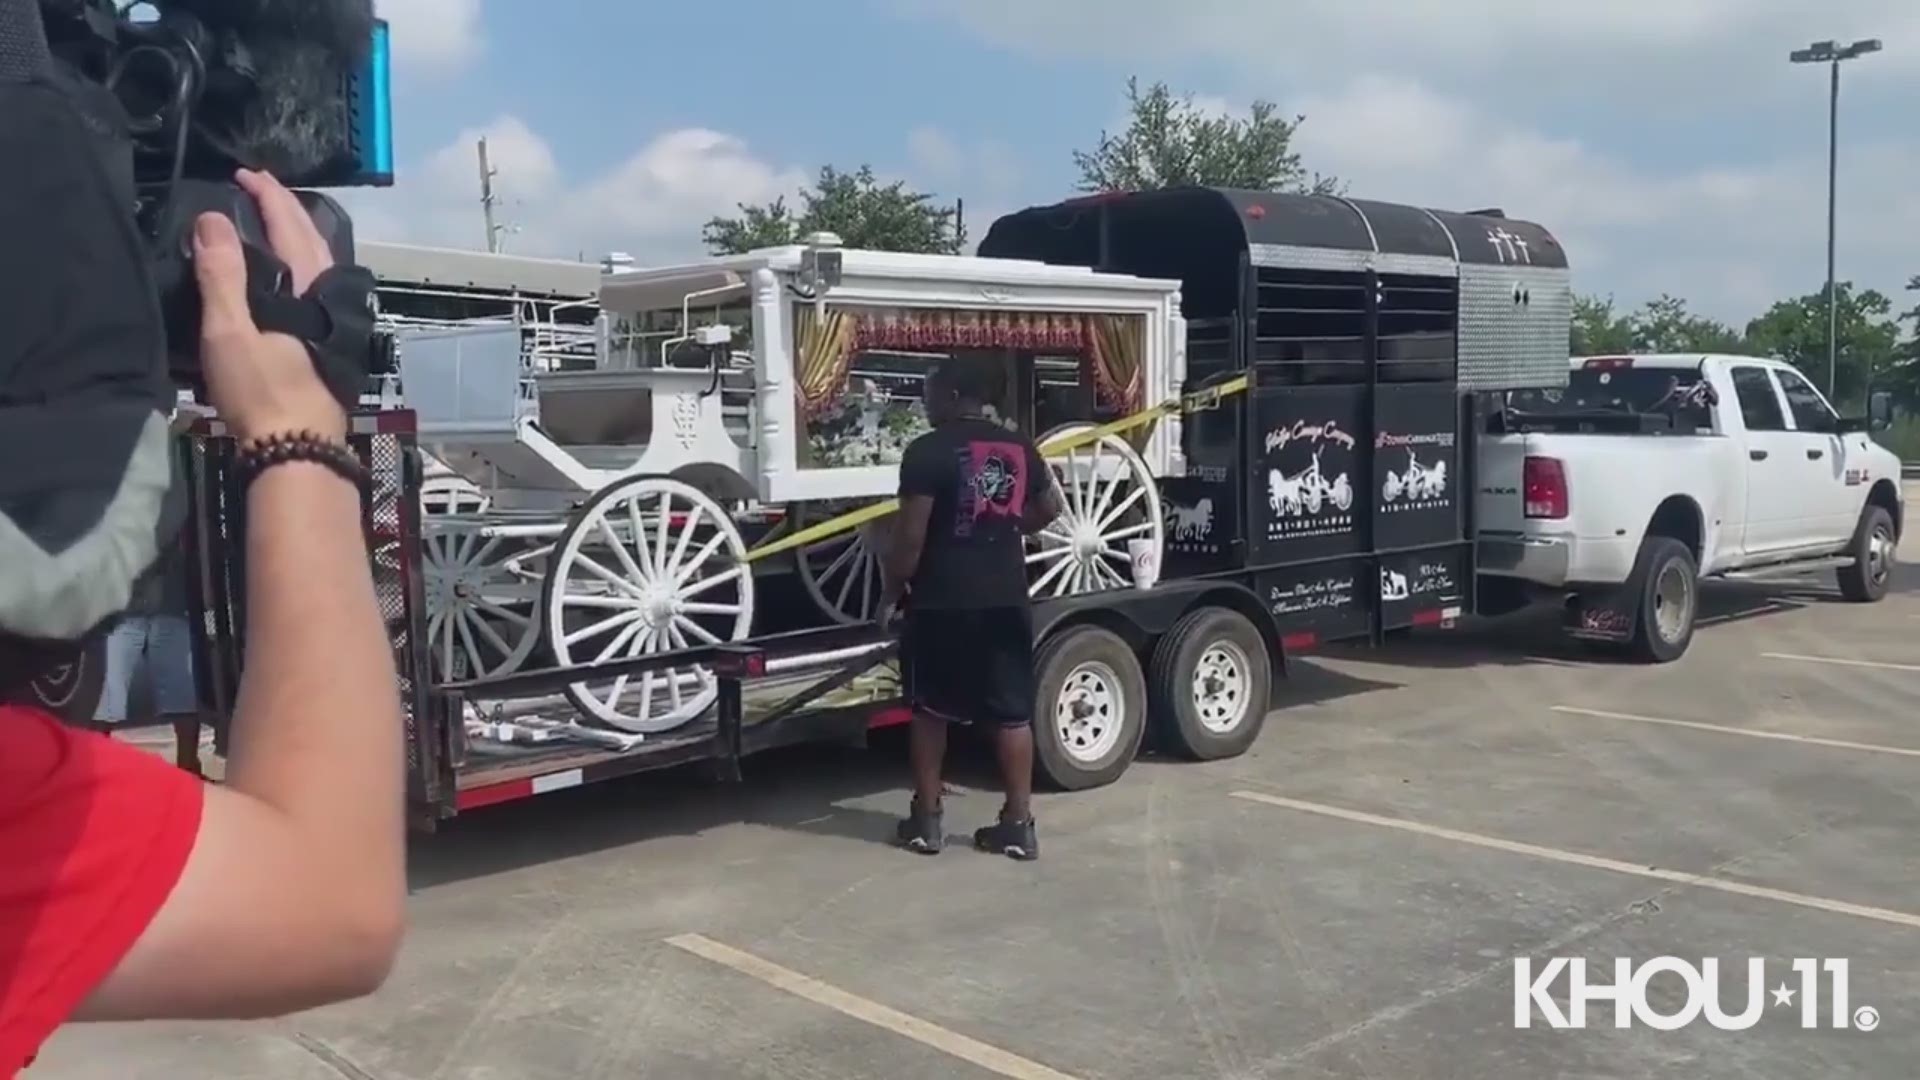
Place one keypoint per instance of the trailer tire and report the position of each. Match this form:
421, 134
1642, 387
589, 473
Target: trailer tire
1089, 710
1867, 580
1223, 718
1669, 582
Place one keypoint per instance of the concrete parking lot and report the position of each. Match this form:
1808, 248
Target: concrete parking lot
1346, 901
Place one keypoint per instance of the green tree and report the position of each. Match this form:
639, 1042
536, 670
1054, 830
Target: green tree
1868, 339
1599, 329
1171, 142
1903, 379
1665, 325
865, 213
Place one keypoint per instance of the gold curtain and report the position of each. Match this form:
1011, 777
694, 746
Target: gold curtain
1117, 348
823, 353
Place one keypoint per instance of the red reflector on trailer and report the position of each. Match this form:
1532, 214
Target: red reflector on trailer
1304, 640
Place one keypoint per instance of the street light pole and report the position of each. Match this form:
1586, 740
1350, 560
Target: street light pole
1831, 54
1833, 215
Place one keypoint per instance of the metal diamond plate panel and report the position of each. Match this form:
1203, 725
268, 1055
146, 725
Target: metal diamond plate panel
1514, 326
1340, 260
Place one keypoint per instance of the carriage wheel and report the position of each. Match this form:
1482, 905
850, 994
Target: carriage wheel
648, 565
841, 573
481, 595
452, 495
1111, 499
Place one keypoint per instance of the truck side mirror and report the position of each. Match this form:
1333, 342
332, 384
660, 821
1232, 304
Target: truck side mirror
1879, 410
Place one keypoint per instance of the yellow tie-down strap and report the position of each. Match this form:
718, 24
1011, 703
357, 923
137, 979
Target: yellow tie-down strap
853, 519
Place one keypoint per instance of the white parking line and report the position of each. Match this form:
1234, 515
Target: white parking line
1696, 725
1842, 661
1594, 862
991, 1058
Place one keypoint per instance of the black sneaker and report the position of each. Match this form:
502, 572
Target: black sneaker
1014, 840
921, 831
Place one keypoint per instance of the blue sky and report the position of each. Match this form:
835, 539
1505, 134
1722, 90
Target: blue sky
1668, 142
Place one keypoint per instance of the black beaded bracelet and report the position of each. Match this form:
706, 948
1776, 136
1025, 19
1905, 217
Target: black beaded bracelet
258, 455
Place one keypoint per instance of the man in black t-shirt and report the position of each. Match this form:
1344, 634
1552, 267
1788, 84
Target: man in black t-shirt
971, 490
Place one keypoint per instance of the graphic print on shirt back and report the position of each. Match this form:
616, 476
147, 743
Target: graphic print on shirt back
993, 483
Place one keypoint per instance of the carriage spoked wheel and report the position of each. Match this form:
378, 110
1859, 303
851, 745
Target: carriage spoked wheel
841, 573
482, 597
648, 565
1111, 499
452, 495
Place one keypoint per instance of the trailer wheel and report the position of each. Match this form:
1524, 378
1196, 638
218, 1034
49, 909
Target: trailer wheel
1090, 708
1212, 678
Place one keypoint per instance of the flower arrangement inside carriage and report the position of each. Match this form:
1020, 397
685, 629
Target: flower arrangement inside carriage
860, 372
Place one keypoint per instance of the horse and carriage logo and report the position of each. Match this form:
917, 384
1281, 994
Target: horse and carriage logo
1308, 491
1311, 498
1423, 482
1417, 483
1189, 524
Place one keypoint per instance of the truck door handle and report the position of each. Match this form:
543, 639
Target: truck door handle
1816, 455
1757, 455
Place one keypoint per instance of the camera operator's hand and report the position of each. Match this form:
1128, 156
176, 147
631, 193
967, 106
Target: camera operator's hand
261, 383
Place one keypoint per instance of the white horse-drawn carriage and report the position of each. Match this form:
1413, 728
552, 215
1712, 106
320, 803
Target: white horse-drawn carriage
600, 496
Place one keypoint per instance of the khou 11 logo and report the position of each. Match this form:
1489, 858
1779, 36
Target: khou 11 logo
1628, 994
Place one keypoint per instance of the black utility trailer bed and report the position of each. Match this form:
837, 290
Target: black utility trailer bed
1330, 500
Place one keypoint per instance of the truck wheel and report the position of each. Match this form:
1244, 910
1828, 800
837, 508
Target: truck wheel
1866, 581
1090, 708
1669, 600
1212, 680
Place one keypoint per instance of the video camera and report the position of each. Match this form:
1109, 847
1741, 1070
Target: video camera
295, 88
121, 123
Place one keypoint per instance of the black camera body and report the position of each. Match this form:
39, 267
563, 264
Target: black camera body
120, 123
182, 93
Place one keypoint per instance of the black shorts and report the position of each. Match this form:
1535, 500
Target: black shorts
970, 665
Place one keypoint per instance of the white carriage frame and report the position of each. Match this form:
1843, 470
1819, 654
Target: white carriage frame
519, 465
769, 279
477, 388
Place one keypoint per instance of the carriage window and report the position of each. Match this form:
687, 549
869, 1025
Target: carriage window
861, 373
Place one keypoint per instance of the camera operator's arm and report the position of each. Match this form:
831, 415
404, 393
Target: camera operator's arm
294, 892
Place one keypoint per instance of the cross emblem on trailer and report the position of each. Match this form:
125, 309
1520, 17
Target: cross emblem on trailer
1508, 247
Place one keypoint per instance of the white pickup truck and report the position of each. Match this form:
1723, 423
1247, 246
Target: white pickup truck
1646, 474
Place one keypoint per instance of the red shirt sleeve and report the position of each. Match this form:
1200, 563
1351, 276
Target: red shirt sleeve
94, 834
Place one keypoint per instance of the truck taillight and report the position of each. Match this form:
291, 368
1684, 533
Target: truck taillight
1544, 488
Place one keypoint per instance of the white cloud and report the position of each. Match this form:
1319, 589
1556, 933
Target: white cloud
1729, 239
1430, 102
986, 175
435, 36
651, 205
1527, 48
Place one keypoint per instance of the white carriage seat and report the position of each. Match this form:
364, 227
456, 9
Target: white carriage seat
653, 420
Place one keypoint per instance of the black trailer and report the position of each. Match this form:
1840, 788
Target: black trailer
1324, 503
1338, 488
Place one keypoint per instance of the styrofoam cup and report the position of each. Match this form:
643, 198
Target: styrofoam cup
1144, 557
